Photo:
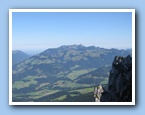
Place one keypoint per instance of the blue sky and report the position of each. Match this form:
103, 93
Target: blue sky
43, 30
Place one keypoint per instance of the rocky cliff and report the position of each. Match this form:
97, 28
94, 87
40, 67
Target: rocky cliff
119, 87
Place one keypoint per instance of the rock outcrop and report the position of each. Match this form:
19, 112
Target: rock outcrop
119, 87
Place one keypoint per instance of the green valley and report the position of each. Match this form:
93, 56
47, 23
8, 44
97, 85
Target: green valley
63, 74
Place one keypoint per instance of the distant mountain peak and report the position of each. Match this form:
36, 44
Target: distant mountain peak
72, 46
18, 56
17, 51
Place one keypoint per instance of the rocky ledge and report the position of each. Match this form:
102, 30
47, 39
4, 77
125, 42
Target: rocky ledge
119, 87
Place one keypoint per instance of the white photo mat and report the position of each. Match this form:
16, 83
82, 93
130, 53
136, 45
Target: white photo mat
71, 10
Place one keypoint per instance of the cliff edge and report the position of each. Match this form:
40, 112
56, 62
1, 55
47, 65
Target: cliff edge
119, 87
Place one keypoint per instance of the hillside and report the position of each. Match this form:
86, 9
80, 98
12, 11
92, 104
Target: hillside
18, 56
63, 74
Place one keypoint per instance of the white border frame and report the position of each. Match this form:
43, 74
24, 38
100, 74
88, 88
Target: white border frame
71, 10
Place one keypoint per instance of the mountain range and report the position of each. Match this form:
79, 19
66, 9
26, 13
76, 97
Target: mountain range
67, 73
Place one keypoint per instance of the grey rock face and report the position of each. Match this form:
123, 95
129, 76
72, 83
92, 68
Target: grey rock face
120, 82
98, 93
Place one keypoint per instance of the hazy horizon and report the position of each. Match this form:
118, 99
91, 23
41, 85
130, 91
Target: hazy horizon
43, 30
36, 51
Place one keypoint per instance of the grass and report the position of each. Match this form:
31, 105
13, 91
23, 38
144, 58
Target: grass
75, 73
59, 98
75, 67
22, 84
69, 84
39, 61
39, 94
42, 85
84, 90
34, 77
74, 89
30, 80
105, 81
73, 93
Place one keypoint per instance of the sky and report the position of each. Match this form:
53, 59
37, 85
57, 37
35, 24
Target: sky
43, 30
